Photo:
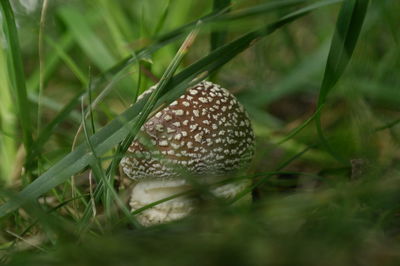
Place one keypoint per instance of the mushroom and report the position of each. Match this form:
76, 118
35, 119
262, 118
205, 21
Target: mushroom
205, 135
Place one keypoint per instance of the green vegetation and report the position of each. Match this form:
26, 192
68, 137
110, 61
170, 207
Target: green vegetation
318, 79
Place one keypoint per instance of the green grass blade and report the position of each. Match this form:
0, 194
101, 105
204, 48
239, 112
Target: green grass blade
218, 37
46, 132
120, 127
163, 17
260, 9
79, 26
65, 42
68, 61
388, 125
111, 14
99, 172
16, 72
348, 27
8, 129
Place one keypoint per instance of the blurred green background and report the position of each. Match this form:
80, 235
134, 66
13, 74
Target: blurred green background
309, 208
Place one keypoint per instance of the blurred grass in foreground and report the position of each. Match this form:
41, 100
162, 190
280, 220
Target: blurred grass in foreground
337, 224
309, 207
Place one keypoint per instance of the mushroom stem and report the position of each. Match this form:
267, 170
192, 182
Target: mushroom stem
150, 191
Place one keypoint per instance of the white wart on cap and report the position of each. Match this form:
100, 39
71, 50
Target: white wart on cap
204, 133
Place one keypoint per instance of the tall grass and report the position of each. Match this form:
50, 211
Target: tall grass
16, 73
8, 143
321, 195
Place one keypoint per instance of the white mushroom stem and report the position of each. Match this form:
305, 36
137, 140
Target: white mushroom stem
150, 191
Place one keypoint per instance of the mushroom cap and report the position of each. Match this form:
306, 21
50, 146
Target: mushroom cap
204, 132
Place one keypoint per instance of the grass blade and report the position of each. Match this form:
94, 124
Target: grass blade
348, 27
65, 42
68, 61
99, 172
86, 38
16, 72
163, 17
8, 129
218, 37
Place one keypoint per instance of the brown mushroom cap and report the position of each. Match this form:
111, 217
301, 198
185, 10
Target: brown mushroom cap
204, 132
